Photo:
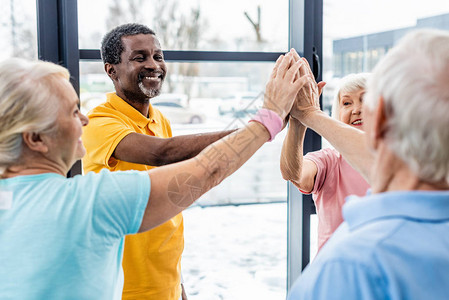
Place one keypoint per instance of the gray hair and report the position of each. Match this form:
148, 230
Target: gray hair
28, 103
112, 45
349, 83
413, 80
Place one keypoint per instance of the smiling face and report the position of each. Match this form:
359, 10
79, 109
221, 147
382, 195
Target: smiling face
142, 70
350, 108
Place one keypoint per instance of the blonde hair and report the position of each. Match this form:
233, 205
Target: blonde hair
28, 103
348, 84
413, 81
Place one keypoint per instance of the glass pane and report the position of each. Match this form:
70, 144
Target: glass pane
231, 252
356, 37
191, 24
18, 29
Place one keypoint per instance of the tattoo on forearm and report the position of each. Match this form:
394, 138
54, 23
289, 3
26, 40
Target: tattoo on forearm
184, 189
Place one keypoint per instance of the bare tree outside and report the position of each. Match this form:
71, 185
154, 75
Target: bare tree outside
17, 27
256, 25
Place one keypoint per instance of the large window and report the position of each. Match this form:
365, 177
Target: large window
356, 37
231, 25
18, 29
236, 234
250, 240
222, 88
219, 55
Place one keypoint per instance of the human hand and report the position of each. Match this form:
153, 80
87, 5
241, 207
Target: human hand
284, 84
307, 99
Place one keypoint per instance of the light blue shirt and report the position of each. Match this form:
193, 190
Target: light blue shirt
61, 238
392, 245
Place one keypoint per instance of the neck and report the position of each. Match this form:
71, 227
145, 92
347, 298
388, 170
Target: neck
141, 105
33, 164
390, 173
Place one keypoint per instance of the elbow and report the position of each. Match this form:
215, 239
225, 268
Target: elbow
164, 154
156, 159
285, 175
289, 174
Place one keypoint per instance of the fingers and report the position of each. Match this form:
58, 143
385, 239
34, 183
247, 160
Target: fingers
307, 65
293, 71
321, 85
284, 66
302, 81
276, 66
295, 55
296, 58
308, 70
284, 63
303, 70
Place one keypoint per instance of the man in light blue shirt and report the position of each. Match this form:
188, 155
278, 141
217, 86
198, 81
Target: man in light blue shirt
391, 246
393, 243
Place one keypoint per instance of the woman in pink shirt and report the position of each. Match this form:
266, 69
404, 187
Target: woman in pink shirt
325, 173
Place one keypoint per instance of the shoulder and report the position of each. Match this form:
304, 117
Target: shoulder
330, 279
107, 184
323, 153
325, 158
105, 110
344, 258
105, 118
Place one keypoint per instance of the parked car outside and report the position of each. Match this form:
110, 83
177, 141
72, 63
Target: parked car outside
175, 108
171, 97
241, 104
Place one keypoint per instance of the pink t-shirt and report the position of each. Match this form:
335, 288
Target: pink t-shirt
335, 180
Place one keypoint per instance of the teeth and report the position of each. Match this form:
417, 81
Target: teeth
357, 122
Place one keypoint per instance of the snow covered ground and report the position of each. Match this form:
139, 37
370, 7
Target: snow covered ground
236, 252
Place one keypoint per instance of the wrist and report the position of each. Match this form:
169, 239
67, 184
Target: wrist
270, 120
295, 122
307, 116
281, 114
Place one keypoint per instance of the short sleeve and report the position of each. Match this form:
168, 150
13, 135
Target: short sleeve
337, 279
101, 136
326, 161
116, 201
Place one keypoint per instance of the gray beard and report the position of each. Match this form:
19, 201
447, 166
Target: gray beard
150, 93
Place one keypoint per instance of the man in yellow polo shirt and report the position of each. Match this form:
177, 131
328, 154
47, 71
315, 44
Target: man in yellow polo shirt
127, 133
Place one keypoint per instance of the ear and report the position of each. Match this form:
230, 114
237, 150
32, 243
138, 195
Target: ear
110, 70
34, 142
380, 123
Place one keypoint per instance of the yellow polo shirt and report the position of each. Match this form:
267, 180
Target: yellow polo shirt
151, 260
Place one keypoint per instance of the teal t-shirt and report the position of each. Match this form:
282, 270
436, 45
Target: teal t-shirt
61, 238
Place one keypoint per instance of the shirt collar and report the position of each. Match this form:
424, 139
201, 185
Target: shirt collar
132, 113
418, 205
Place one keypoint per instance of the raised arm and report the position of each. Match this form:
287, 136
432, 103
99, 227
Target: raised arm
154, 151
301, 172
348, 141
175, 187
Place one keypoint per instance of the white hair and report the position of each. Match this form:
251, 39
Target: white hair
348, 84
413, 79
28, 103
